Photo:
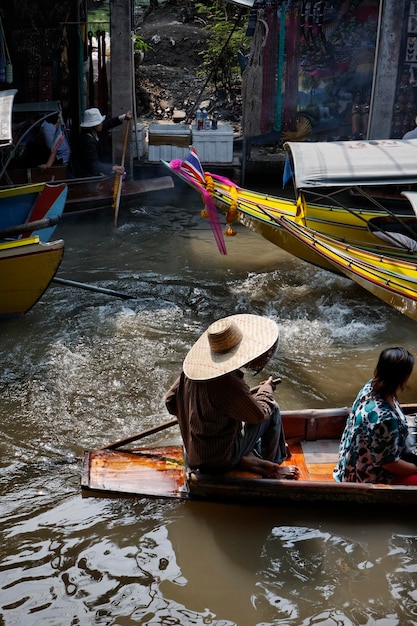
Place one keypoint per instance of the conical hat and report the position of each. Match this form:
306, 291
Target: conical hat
228, 344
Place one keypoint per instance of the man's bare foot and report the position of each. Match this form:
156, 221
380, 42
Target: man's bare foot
288, 472
267, 469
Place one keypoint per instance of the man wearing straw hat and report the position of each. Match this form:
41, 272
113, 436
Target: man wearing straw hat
223, 424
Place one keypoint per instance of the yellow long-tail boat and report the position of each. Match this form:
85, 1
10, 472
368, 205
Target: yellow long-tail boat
27, 267
322, 174
387, 236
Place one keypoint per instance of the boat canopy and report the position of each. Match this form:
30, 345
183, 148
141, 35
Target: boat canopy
353, 163
412, 198
6, 106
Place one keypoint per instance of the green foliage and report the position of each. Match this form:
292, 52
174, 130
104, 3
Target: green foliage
141, 45
220, 61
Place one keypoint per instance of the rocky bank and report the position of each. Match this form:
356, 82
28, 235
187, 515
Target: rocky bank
167, 77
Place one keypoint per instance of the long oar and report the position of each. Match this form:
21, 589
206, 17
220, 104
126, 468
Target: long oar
28, 227
141, 435
118, 180
157, 429
107, 292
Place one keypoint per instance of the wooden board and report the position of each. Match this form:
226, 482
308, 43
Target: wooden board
153, 472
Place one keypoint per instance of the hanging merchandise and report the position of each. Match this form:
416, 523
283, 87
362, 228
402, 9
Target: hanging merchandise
6, 68
269, 80
90, 70
105, 88
252, 79
280, 73
102, 95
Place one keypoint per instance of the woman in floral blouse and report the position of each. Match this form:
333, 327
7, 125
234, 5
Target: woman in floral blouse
376, 437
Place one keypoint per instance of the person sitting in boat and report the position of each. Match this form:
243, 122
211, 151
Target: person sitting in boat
91, 157
223, 425
375, 440
54, 138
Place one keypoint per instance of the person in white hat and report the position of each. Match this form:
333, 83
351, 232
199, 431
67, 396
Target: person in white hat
91, 157
223, 424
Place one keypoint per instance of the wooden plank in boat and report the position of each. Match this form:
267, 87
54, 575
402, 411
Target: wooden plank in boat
297, 458
152, 472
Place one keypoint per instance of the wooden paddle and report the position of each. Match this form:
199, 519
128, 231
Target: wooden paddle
118, 180
107, 292
157, 429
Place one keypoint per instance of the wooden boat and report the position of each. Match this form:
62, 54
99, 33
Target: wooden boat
29, 210
322, 171
27, 266
90, 193
83, 193
21, 205
313, 437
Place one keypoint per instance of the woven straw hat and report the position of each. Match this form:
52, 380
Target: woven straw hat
228, 344
92, 117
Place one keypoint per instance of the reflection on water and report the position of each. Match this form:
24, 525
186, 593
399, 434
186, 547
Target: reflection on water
82, 369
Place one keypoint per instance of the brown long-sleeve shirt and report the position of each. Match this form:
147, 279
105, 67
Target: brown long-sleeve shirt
210, 415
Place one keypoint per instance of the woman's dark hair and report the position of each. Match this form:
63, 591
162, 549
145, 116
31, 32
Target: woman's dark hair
392, 370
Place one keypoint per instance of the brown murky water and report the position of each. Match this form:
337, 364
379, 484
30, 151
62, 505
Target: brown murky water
83, 369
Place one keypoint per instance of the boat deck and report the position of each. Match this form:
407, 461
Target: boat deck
162, 471
315, 459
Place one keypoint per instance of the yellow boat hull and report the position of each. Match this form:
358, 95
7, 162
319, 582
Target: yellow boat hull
390, 279
262, 212
26, 269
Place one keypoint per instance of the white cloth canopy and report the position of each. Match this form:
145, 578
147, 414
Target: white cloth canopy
348, 163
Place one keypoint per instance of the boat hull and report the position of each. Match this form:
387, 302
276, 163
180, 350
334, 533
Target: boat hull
392, 280
261, 213
93, 192
26, 269
313, 437
24, 204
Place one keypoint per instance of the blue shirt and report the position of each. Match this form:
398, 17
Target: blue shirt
375, 434
55, 135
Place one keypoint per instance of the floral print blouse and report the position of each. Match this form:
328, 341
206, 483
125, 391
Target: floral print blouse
375, 434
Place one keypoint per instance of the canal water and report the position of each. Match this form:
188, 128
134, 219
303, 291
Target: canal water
83, 369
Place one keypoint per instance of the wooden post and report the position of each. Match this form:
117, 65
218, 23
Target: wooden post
386, 67
121, 68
